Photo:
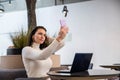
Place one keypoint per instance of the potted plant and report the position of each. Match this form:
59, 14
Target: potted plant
19, 41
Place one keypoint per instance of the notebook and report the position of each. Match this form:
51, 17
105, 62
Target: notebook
80, 63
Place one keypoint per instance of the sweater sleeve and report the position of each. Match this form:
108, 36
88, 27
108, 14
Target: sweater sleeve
33, 54
59, 46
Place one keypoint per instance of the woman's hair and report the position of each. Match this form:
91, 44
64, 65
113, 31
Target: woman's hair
30, 40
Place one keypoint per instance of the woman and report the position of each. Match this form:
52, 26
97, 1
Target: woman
36, 56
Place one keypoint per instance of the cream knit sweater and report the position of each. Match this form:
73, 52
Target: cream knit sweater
37, 62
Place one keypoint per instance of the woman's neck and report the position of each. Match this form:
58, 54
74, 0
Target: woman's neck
35, 45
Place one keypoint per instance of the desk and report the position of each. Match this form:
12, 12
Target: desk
116, 67
85, 75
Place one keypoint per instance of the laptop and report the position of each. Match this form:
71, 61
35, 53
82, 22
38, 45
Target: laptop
80, 63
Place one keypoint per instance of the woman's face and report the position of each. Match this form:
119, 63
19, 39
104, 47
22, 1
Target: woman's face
39, 36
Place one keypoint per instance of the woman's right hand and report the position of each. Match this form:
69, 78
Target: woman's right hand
62, 33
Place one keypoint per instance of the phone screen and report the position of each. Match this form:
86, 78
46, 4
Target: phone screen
62, 22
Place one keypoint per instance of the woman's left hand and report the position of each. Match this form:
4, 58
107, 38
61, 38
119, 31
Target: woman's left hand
62, 33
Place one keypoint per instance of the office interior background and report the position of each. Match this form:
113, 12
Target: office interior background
94, 26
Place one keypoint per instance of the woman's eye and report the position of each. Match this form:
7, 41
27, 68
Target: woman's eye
42, 34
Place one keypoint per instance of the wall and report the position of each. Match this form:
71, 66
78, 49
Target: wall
94, 27
9, 24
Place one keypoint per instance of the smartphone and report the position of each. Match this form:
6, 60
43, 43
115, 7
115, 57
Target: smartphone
62, 22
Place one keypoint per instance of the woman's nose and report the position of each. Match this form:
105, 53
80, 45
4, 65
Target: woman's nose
42, 36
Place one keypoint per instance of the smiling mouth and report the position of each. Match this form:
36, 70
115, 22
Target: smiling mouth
41, 40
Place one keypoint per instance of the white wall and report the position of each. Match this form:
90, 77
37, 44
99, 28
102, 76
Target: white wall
94, 25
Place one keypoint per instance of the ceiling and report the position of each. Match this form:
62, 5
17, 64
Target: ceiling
16, 5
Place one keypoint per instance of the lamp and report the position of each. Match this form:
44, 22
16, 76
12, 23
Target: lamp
9, 1
1, 8
65, 11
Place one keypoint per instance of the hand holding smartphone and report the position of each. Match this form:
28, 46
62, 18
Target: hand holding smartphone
63, 30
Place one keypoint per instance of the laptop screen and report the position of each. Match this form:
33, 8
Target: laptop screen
81, 62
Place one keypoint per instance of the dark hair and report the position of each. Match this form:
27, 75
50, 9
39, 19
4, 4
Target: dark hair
46, 42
